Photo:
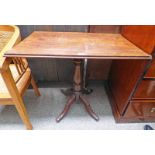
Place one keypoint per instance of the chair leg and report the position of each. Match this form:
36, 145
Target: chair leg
23, 114
17, 99
35, 87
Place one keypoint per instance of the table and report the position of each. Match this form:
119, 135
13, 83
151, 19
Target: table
76, 46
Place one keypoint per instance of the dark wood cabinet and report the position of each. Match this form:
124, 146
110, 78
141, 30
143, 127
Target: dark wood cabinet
131, 83
123, 78
142, 36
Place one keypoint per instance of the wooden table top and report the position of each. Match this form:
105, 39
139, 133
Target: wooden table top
77, 45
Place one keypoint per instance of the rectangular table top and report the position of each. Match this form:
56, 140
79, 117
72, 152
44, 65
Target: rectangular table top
76, 45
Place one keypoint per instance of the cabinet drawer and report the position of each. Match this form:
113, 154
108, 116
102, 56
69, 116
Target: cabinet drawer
141, 109
146, 90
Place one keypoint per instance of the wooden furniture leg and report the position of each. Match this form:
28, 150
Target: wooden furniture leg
36, 90
66, 108
23, 114
18, 102
88, 108
77, 94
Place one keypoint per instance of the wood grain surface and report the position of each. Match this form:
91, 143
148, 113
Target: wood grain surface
77, 45
142, 36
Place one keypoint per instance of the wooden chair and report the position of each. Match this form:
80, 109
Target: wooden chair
15, 74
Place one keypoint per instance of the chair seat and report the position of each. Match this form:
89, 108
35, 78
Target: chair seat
3, 88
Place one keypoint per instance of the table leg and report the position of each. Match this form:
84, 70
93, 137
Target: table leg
88, 108
66, 108
77, 94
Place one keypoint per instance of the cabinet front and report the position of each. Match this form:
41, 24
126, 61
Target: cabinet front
141, 110
146, 90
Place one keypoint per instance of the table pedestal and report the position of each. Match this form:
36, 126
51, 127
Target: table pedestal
85, 89
76, 94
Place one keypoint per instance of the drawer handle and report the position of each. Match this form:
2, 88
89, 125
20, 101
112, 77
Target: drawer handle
152, 110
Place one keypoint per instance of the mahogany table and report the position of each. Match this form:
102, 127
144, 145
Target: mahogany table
76, 46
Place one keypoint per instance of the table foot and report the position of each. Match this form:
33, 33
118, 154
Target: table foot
67, 92
87, 91
88, 108
70, 91
66, 108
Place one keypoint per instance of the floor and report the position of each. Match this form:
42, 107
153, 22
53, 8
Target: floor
43, 111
